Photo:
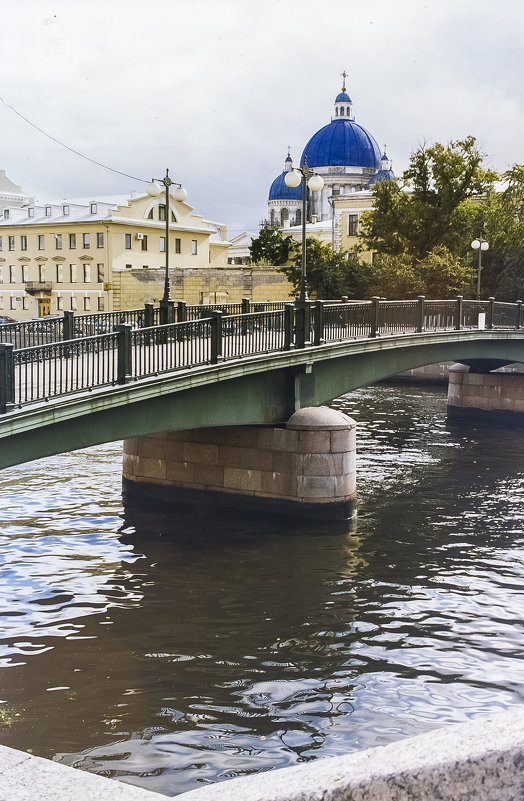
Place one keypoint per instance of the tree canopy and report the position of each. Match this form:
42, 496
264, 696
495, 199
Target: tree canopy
330, 274
270, 247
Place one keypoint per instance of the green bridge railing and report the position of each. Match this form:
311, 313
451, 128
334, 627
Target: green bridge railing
132, 345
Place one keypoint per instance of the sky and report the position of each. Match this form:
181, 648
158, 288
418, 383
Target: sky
217, 91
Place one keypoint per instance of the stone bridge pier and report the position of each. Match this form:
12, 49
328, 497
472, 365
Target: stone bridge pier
303, 468
492, 396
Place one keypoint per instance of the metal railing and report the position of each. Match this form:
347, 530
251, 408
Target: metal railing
129, 351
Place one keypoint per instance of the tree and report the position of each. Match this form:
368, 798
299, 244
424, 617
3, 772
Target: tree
270, 247
444, 275
330, 274
431, 206
389, 275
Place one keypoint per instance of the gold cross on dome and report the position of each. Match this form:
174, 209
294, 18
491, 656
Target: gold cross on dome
344, 76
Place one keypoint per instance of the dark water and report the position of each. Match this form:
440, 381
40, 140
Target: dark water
170, 650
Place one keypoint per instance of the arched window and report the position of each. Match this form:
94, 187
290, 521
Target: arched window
284, 216
341, 111
150, 215
336, 112
272, 216
298, 217
347, 111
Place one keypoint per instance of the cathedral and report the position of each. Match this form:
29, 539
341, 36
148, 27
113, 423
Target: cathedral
347, 157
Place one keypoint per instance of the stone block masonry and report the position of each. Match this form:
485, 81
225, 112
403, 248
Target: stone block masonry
307, 466
496, 396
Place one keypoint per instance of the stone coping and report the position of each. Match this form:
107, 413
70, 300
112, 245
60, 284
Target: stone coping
482, 760
24, 777
477, 761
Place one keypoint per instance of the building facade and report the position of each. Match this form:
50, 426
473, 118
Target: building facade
67, 256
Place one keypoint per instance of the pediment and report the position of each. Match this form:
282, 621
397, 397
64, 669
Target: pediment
24, 259
58, 258
85, 257
41, 258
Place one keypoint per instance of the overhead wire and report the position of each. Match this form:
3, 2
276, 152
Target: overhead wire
71, 149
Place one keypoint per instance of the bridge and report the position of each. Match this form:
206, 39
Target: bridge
227, 369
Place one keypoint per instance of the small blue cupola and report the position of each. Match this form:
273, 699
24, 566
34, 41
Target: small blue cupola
343, 105
385, 173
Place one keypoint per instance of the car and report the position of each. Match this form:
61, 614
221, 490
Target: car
4, 320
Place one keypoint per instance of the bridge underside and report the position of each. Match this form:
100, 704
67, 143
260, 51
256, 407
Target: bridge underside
260, 390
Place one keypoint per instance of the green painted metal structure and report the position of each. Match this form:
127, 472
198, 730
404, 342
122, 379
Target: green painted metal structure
256, 390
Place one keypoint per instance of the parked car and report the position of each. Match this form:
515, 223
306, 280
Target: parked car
5, 320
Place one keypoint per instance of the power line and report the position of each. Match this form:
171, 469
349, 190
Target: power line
71, 149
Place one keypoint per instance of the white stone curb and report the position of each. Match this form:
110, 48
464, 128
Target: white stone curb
477, 761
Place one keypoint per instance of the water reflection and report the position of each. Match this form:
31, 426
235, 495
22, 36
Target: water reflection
173, 648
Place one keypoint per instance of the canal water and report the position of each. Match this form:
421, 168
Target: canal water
172, 649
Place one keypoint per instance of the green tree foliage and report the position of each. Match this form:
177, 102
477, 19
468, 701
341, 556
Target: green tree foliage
431, 206
270, 247
444, 275
501, 218
330, 274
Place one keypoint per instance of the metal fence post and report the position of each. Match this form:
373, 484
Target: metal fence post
68, 330
421, 314
491, 313
302, 323
289, 324
181, 311
216, 336
375, 316
7, 377
318, 322
124, 361
344, 299
149, 315
167, 312
246, 309
519, 314
458, 313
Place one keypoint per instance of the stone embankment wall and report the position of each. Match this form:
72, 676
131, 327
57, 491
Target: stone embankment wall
133, 287
486, 395
306, 466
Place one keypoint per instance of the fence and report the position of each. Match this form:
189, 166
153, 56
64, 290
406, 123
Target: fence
130, 350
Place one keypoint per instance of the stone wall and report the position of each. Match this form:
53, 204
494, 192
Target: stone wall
309, 465
495, 395
134, 287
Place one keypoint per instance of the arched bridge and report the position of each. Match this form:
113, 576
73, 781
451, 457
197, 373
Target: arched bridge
232, 369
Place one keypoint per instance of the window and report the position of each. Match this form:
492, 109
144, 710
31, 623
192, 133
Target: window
1, 278
73, 303
23, 269
72, 241
30, 211
145, 266
93, 208
100, 273
11, 273
58, 241
72, 274
41, 242
162, 244
352, 224
23, 243
162, 212
59, 303
128, 241
85, 240
48, 211
284, 216
150, 215
65, 210
87, 303
6, 214
0, 243
41, 273
24, 302
298, 217
87, 273
144, 242
129, 266
11, 241
59, 273
194, 247
11, 302
100, 240
173, 218
100, 303
178, 245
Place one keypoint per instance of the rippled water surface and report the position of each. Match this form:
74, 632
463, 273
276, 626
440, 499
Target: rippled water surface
171, 649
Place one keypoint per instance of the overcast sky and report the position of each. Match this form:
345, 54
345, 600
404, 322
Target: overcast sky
217, 90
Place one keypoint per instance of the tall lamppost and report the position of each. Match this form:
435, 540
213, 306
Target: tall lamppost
167, 309
479, 244
308, 178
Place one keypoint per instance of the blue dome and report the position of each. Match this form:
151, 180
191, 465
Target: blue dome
381, 175
279, 190
343, 97
342, 143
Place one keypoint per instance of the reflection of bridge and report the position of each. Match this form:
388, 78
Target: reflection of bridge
229, 369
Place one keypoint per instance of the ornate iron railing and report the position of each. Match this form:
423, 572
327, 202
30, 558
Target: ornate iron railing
36, 372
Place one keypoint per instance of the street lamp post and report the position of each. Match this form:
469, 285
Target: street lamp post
309, 179
479, 244
167, 306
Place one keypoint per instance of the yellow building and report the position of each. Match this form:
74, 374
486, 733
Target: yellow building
55, 257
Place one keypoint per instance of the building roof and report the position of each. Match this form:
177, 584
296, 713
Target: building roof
279, 190
342, 143
343, 97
